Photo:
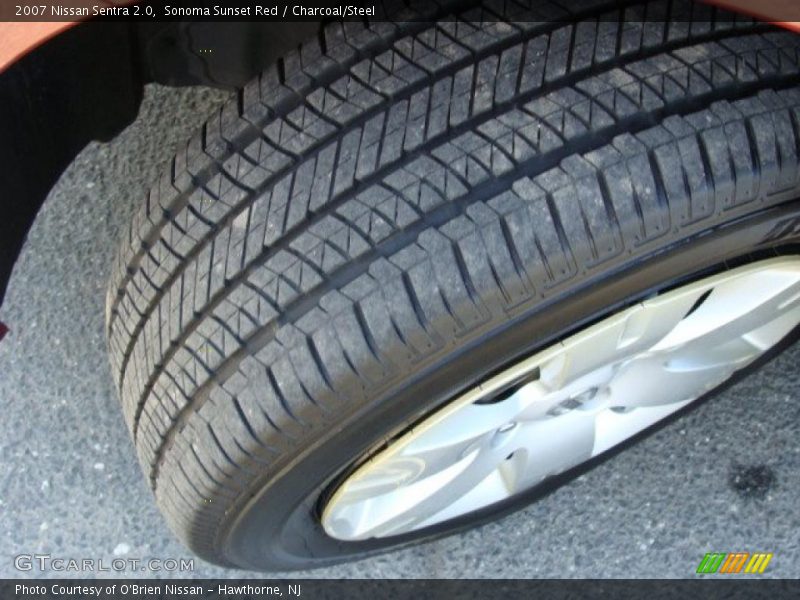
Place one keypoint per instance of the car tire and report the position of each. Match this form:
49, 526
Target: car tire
398, 211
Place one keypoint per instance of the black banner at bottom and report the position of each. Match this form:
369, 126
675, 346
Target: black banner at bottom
396, 589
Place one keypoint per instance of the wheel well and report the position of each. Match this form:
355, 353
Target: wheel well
86, 84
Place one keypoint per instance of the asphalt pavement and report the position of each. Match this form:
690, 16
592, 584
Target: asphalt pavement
724, 478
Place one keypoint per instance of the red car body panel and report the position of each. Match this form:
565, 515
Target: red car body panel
20, 37
785, 13
17, 39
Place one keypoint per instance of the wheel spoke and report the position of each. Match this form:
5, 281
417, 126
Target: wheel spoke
462, 427
612, 427
580, 357
359, 515
650, 382
424, 497
736, 307
548, 447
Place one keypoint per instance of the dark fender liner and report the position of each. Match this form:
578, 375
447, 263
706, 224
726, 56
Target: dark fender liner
86, 84
82, 85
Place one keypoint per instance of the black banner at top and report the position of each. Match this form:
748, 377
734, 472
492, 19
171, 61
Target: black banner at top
357, 10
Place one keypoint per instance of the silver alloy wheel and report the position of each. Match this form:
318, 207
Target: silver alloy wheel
570, 402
